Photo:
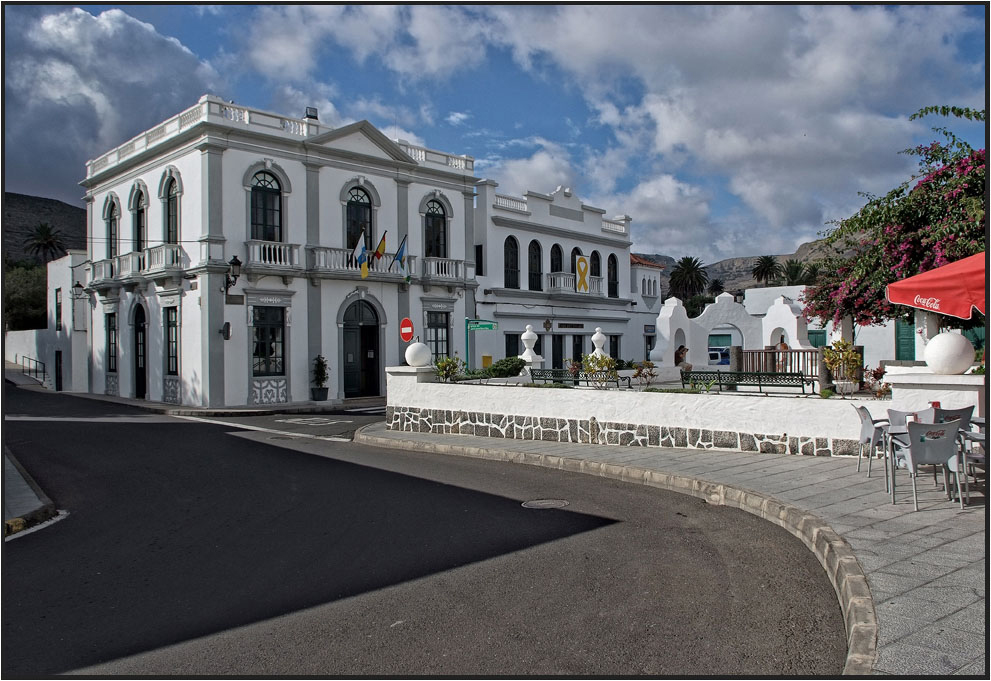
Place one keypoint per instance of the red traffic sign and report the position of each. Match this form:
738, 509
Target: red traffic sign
406, 329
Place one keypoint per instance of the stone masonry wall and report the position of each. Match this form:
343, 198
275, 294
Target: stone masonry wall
592, 431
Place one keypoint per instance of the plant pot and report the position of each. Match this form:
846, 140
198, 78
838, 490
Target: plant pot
319, 394
846, 387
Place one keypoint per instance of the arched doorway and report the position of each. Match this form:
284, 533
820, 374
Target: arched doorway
140, 354
361, 350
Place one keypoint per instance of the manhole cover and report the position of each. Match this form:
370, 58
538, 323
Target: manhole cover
545, 503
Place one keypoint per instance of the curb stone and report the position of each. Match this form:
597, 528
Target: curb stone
833, 552
45, 512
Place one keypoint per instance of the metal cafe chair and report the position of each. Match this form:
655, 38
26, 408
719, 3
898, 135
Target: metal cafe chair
933, 444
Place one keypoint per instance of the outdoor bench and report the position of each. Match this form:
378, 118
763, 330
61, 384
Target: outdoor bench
761, 379
565, 376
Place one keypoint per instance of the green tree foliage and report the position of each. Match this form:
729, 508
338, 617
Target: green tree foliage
794, 272
695, 305
688, 278
716, 287
935, 218
25, 290
766, 268
45, 241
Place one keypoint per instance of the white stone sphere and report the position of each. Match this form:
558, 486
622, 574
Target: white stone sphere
418, 355
949, 353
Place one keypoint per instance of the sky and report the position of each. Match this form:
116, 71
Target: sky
722, 130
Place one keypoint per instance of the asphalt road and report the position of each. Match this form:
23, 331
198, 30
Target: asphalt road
200, 549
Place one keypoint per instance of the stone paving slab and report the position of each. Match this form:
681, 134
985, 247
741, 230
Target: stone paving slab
925, 571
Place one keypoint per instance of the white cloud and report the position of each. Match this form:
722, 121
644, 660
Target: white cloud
457, 117
77, 85
542, 171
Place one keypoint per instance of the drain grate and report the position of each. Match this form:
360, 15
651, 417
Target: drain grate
545, 503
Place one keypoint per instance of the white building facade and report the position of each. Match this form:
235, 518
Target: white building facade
290, 199
551, 262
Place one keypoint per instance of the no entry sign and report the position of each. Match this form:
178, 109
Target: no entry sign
406, 329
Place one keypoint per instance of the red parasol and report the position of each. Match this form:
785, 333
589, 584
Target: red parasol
951, 289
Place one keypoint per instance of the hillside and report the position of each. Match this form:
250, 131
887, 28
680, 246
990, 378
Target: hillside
736, 272
22, 213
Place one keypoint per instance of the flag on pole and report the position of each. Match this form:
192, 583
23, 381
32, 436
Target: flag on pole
380, 249
360, 256
401, 258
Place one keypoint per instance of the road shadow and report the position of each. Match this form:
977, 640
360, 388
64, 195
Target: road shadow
180, 531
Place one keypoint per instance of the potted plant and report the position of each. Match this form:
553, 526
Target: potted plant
843, 361
320, 376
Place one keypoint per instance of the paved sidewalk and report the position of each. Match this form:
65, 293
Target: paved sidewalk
24, 503
920, 610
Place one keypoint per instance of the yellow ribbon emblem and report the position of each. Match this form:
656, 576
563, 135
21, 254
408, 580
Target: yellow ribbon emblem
581, 266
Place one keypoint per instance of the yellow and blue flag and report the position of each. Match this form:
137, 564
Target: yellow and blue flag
360, 256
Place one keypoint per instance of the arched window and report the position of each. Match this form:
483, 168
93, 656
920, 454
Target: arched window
533, 262
435, 231
172, 212
511, 258
140, 235
654, 287
266, 207
595, 264
111, 214
643, 287
612, 275
556, 258
575, 254
359, 218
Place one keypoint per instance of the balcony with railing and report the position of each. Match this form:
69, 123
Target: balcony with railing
138, 266
511, 203
443, 269
213, 110
324, 260
439, 159
560, 282
271, 257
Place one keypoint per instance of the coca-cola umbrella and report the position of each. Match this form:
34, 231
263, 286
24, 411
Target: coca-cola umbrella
953, 289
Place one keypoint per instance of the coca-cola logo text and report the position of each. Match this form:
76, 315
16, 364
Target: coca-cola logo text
930, 303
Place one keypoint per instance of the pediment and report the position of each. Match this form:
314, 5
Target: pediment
362, 139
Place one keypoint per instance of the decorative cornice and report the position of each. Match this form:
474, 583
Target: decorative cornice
528, 227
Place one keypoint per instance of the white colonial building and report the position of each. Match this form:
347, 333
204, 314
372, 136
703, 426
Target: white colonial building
288, 198
554, 263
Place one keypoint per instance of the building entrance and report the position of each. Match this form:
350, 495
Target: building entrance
361, 350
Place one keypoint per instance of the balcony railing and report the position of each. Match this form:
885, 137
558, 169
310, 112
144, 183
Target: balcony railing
558, 282
805, 362
449, 161
343, 260
510, 202
164, 257
137, 264
443, 268
595, 286
272, 254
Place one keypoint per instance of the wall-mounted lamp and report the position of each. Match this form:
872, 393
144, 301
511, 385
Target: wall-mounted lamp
225, 331
78, 292
548, 325
233, 272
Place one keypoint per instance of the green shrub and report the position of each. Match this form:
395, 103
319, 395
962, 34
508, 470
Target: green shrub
506, 368
449, 368
826, 393
546, 385
600, 370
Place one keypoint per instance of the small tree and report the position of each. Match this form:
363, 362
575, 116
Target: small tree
45, 241
842, 360
766, 268
320, 371
600, 369
449, 368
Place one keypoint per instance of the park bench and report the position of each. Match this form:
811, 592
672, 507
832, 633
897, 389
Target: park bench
761, 379
565, 376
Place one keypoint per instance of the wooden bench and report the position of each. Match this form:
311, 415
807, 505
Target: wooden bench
761, 379
568, 378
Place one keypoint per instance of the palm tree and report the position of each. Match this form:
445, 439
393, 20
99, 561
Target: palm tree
46, 241
715, 287
688, 278
795, 272
812, 271
766, 268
